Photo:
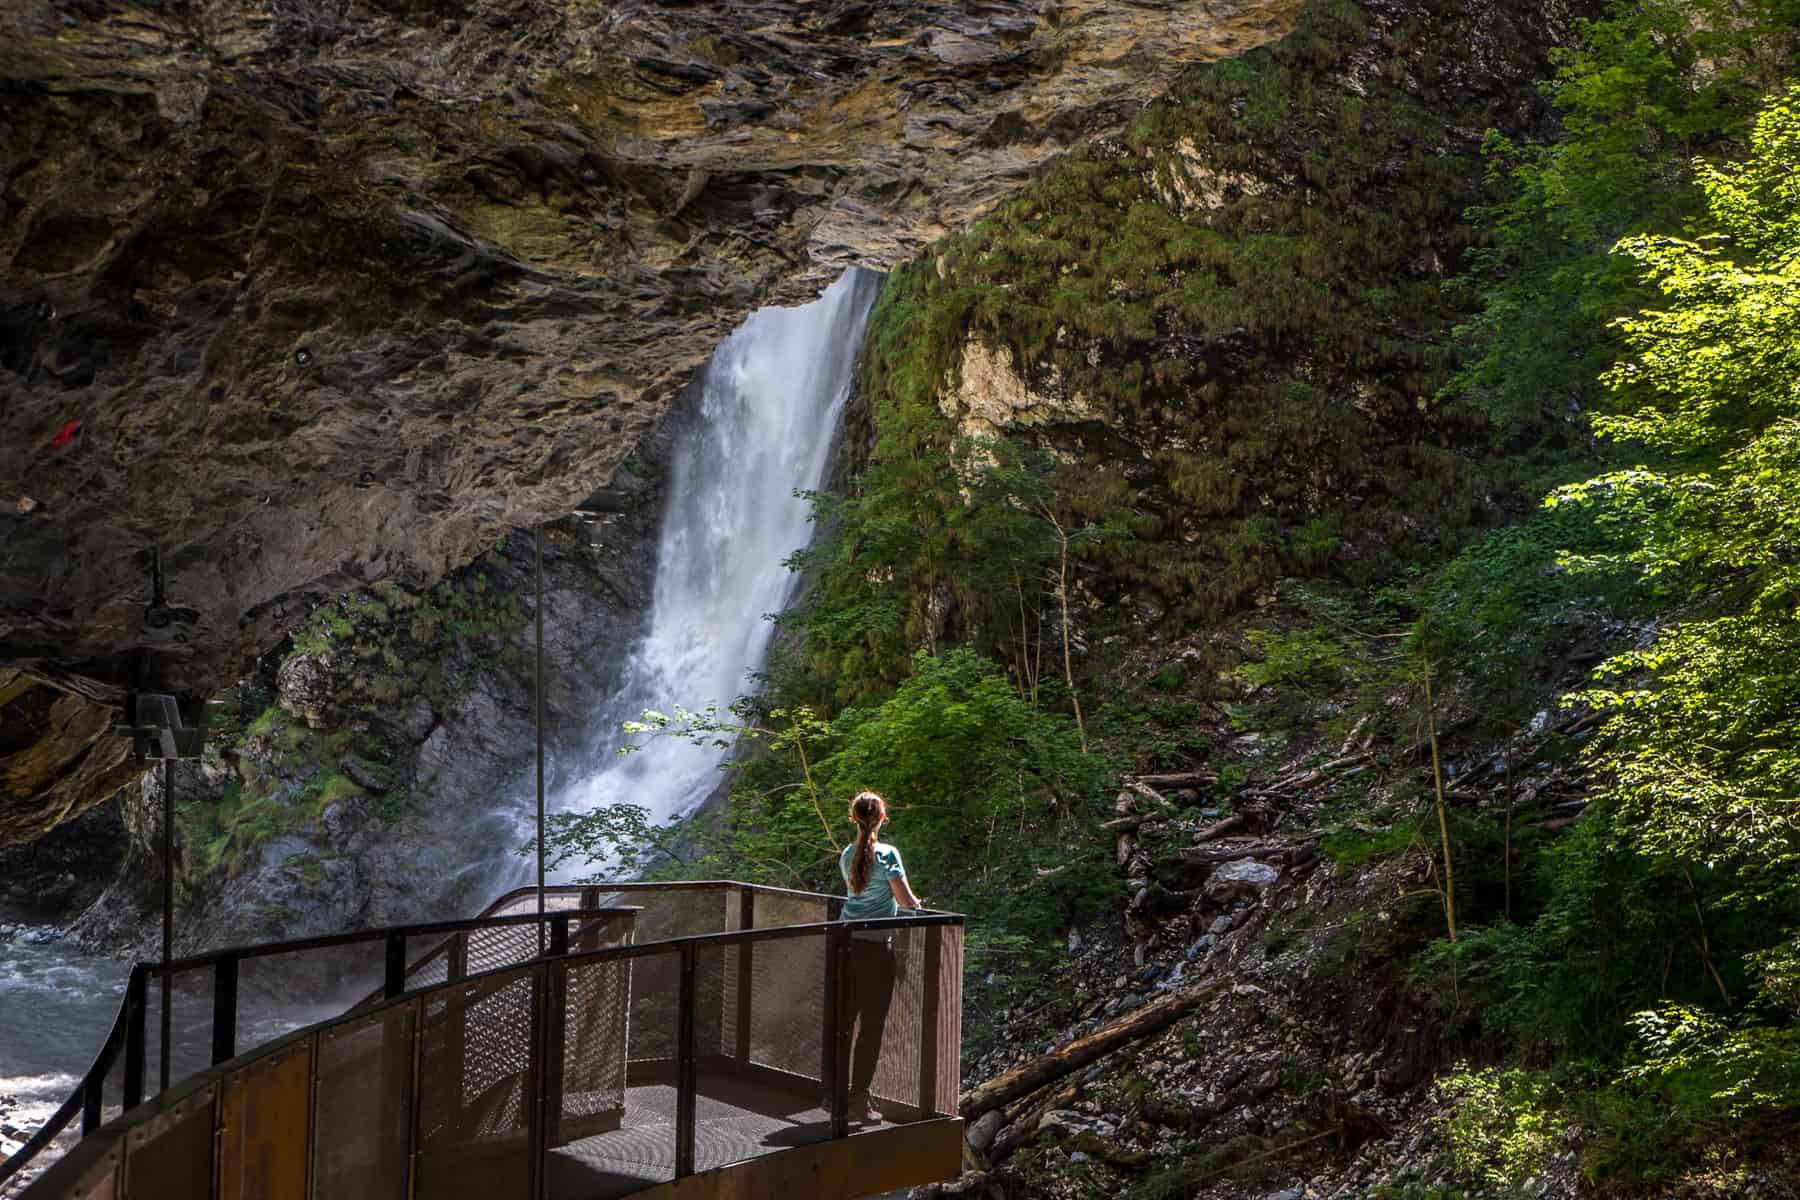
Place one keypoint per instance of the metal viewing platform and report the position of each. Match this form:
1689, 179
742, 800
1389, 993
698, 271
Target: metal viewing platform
678, 1040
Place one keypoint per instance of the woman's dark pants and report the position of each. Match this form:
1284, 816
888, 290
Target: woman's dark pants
870, 992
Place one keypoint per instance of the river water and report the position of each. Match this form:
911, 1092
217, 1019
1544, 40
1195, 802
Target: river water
56, 1007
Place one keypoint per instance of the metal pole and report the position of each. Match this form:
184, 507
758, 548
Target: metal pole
537, 571
168, 924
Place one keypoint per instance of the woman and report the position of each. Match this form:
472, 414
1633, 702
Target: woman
875, 882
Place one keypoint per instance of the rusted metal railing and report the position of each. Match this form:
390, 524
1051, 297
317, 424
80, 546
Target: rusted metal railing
485, 1069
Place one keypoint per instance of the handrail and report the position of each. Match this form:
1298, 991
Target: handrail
86, 1097
126, 1034
72, 1166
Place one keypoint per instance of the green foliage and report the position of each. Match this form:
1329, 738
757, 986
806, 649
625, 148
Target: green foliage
1699, 756
619, 835
325, 788
1638, 95
1353, 845
1500, 595
1498, 1126
1664, 945
1261, 348
963, 760
1721, 1071
983, 788
1495, 971
1244, 1159
967, 519
267, 722
1303, 660
1155, 731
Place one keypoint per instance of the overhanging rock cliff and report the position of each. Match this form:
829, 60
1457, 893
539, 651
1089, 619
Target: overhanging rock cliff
311, 294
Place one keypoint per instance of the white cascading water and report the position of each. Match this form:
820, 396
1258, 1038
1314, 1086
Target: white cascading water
772, 398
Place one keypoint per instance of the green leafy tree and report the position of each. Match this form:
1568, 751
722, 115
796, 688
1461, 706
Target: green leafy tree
1682, 882
1638, 95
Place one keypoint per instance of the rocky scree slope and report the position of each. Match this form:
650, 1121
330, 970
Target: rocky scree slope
313, 295
1306, 1069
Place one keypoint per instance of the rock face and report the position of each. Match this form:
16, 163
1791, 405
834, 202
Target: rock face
310, 295
1225, 325
380, 771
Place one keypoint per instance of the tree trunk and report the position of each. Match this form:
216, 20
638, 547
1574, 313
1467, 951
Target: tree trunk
1034, 1074
1437, 777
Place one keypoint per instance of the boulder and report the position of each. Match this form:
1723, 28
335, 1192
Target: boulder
1243, 879
985, 1129
305, 689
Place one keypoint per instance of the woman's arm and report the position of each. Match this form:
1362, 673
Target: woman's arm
903, 893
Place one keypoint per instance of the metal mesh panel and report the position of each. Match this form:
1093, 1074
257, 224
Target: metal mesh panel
640, 1151
787, 989
916, 1072
365, 1107
491, 949
897, 1073
428, 961
594, 998
476, 1088
741, 1112
945, 1095
664, 913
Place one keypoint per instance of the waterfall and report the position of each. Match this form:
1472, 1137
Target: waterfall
770, 404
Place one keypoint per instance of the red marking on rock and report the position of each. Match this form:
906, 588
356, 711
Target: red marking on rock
66, 436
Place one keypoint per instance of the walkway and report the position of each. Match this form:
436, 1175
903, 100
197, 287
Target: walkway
655, 1040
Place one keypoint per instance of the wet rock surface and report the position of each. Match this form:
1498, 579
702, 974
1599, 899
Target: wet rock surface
378, 771
312, 295
62, 872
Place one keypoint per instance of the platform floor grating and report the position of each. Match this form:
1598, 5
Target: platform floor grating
734, 1119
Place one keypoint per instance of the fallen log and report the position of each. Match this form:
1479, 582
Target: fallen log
1035, 1073
1218, 829
1179, 779
1149, 793
1192, 1119
1309, 777
1198, 856
1124, 824
1009, 1138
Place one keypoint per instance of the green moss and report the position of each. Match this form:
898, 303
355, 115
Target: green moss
267, 722
1269, 349
1354, 845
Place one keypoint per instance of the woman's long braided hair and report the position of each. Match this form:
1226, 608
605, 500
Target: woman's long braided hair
868, 812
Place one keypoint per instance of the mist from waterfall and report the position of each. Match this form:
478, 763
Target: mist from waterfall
771, 401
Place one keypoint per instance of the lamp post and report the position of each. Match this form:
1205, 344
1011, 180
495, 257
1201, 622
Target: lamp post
154, 723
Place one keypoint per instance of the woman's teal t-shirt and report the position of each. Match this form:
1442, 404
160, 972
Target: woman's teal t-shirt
877, 899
